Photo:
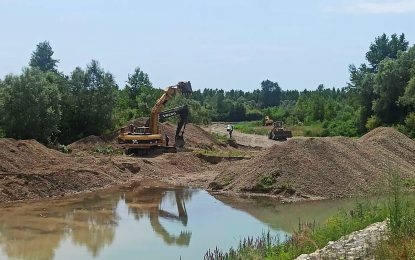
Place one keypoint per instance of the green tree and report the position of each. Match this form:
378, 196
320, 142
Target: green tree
93, 95
136, 83
31, 106
42, 58
270, 93
383, 47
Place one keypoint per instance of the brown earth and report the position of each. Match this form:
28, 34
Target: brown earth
327, 167
306, 167
194, 136
250, 140
29, 170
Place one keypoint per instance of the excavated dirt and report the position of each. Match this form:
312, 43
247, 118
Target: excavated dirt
194, 136
323, 167
299, 168
29, 170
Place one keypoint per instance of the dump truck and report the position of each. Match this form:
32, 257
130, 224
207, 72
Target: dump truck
149, 139
278, 133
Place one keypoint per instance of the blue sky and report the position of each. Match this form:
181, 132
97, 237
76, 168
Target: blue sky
213, 43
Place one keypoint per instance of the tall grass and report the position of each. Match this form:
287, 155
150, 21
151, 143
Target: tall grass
308, 237
399, 244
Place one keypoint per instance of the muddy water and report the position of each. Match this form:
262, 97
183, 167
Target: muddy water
145, 223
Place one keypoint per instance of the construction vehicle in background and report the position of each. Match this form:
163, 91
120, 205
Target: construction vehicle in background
278, 133
149, 139
268, 121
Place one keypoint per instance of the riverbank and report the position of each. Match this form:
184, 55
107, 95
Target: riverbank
299, 169
373, 229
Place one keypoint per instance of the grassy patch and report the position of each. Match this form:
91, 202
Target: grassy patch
108, 149
401, 223
256, 127
251, 127
307, 238
400, 243
221, 138
64, 148
307, 130
409, 183
221, 153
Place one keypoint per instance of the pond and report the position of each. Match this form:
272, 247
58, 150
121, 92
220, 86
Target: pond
146, 223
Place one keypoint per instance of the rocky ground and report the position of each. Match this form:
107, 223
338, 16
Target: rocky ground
357, 245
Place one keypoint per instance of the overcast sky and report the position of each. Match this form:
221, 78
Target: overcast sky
213, 43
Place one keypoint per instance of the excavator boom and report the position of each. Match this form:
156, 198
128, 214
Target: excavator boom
143, 140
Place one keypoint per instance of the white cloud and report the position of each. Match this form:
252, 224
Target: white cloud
374, 7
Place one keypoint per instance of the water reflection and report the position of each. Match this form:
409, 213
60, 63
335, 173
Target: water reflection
148, 203
35, 230
145, 223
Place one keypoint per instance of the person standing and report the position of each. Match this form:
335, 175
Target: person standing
229, 128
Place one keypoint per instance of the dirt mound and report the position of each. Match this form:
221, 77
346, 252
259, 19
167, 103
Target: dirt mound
194, 136
90, 142
29, 170
323, 167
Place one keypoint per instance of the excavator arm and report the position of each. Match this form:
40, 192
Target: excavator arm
169, 92
183, 112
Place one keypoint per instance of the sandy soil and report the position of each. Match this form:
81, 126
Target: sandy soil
307, 168
241, 138
329, 167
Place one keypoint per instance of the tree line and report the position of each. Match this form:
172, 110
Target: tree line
45, 104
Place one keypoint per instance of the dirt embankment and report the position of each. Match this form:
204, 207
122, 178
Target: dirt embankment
306, 167
327, 167
29, 170
194, 136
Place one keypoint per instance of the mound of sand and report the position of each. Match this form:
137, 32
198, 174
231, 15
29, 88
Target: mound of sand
29, 170
194, 136
324, 167
90, 142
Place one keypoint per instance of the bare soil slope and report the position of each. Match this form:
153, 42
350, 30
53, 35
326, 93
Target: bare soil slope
250, 140
194, 136
29, 170
323, 167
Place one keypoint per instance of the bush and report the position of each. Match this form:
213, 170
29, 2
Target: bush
373, 122
104, 149
31, 106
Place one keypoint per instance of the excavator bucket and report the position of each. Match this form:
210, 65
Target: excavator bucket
179, 142
185, 87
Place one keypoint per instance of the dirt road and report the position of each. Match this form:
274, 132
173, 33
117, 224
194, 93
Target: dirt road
241, 138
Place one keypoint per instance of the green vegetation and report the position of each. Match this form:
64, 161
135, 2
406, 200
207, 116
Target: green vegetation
220, 138
252, 127
256, 127
401, 216
221, 153
307, 238
104, 149
400, 243
45, 104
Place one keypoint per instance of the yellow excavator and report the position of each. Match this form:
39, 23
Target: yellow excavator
149, 139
